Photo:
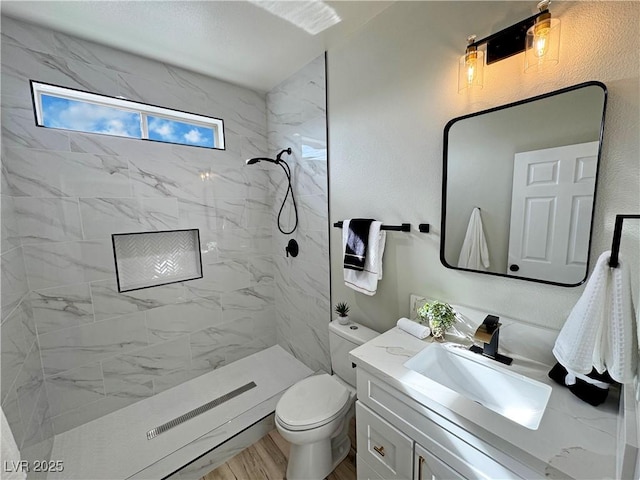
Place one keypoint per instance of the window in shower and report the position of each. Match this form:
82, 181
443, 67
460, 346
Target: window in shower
68, 109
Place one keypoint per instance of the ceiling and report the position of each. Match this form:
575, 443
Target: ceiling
235, 41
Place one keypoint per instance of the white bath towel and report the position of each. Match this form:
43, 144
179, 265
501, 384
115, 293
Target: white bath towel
600, 331
366, 281
10, 454
474, 253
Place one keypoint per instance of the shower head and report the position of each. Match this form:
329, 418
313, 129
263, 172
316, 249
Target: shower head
251, 161
278, 159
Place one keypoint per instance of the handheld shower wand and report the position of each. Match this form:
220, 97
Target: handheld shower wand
278, 159
251, 161
287, 171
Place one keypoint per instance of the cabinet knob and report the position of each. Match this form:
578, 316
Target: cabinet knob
380, 450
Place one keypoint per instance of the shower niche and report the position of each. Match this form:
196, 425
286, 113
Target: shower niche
151, 259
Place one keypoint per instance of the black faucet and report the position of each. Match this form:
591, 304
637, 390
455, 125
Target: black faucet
488, 333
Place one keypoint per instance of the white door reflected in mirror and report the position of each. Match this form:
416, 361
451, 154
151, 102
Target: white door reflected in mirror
551, 204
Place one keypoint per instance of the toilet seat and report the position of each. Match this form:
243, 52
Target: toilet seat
312, 402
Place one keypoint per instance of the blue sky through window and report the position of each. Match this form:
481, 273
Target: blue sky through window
88, 117
60, 107
165, 130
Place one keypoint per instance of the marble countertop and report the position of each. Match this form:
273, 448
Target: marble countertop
574, 439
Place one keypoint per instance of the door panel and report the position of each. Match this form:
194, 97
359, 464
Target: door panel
428, 467
551, 205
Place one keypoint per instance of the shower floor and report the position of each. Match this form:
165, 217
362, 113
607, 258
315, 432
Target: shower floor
116, 445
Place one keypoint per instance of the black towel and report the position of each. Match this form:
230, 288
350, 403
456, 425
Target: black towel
582, 389
355, 251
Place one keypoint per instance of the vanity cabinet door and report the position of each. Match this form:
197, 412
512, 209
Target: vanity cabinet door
383, 447
364, 470
428, 467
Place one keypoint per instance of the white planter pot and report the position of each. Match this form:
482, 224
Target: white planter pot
343, 320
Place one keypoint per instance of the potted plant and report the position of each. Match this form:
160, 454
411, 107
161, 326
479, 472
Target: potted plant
439, 315
342, 309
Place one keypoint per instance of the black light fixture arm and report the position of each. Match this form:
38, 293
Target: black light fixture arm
528, 22
508, 41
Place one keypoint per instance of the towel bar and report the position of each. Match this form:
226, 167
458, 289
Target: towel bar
617, 235
405, 227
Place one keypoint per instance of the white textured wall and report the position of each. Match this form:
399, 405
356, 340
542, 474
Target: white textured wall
393, 88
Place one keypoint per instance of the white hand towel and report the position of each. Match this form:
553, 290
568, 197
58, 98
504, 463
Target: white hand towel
366, 281
414, 328
474, 253
10, 461
600, 331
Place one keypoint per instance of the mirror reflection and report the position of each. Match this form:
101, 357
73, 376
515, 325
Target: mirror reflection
519, 186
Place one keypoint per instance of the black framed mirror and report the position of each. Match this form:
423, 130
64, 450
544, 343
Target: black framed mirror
519, 186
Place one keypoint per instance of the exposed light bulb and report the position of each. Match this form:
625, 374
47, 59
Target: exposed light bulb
470, 68
471, 62
542, 42
541, 38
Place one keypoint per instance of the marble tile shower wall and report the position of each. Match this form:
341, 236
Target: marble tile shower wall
23, 393
73, 348
296, 118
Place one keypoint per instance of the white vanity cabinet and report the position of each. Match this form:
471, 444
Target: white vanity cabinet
398, 438
429, 467
386, 453
383, 447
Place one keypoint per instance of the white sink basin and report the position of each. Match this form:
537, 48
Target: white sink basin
510, 394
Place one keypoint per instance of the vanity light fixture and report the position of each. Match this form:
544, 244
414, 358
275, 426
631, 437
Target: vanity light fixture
471, 68
538, 36
542, 45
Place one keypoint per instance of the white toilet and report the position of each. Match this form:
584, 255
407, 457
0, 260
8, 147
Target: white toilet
314, 414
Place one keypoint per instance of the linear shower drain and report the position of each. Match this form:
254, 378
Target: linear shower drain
154, 432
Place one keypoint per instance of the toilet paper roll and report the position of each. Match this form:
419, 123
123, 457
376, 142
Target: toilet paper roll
415, 329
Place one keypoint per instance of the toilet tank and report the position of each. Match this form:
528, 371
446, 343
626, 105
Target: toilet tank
343, 339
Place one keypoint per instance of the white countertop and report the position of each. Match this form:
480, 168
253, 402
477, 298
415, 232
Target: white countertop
574, 439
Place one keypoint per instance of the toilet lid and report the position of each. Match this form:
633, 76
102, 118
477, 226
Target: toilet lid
314, 400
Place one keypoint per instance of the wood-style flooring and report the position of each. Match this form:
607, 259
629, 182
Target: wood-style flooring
267, 460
